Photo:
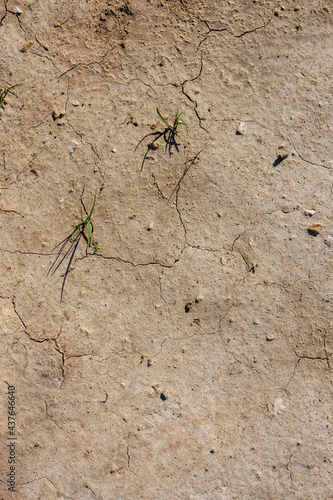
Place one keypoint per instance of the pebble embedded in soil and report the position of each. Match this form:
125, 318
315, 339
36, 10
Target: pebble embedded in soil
279, 407
71, 147
241, 129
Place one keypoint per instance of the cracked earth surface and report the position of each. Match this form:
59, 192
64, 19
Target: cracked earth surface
190, 355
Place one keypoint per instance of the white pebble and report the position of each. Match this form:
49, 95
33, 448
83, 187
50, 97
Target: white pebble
241, 129
71, 147
309, 213
279, 407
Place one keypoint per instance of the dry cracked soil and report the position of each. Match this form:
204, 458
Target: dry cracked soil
178, 343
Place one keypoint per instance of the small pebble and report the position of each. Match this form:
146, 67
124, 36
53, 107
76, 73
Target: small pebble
270, 337
256, 322
17, 10
75, 104
96, 169
279, 406
314, 229
164, 395
328, 241
241, 129
150, 226
56, 24
114, 150
309, 213
71, 147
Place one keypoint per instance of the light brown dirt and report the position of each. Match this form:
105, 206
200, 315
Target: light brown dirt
190, 356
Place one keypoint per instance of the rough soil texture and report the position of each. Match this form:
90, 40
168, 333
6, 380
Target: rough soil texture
190, 356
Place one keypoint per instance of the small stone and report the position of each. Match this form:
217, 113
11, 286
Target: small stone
199, 297
17, 10
309, 213
270, 337
75, 104
150, 226
56, 24
114, 150
96, 169
71, 147
164, 395
328, 241
279, 407
314, 229
241, 129
25, 47
256, 322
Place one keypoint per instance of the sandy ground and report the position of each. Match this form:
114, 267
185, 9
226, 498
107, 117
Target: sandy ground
182, 348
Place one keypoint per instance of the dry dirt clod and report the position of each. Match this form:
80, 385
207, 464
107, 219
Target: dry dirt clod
282, 152
26, 46
56, 114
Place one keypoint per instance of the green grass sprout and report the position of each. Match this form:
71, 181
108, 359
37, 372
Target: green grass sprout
82, 229
169, 134
82, 224
177, 122
4, 91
